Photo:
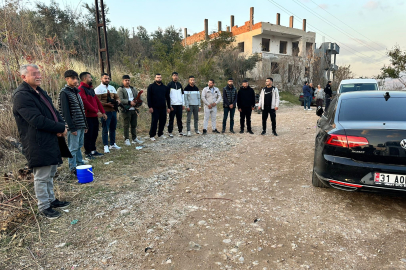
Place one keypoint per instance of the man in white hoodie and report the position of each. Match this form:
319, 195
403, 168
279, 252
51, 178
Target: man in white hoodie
211, 96
177, 104
269, 102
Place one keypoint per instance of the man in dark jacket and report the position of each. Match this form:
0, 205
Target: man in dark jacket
246, 104
73, 112
307, 95
39, 126
159, 104
229, 104
93, 110
329, 94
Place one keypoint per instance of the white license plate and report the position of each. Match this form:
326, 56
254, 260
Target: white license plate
388, 179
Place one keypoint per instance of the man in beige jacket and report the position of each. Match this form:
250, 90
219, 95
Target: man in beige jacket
211, 96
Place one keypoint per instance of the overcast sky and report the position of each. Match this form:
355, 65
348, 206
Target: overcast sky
364, 29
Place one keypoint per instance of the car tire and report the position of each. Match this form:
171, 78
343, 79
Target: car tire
317, 182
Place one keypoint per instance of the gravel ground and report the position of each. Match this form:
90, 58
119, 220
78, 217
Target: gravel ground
233, 201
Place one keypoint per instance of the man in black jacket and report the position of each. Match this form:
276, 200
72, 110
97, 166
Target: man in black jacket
329, 94
39, 126
246, 104
73, 112
229, 104
159, 104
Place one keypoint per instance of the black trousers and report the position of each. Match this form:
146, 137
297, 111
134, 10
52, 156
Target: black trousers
272, 113
328, 100
159, 115
245, 114
91, 135
177, 111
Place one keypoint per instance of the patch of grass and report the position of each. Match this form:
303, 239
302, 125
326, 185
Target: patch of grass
289, 97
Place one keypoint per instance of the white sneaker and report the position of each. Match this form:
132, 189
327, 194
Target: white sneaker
106, 149
181, 134
86, 161
170, 135
163, 137
197, 132
189, 134
127, 142
115, 146
310, 109
305, 109
152, 139
137, 141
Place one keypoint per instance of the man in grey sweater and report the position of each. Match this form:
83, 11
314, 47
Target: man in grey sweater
192, 104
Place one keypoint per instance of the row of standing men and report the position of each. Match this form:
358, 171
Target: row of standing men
173, 99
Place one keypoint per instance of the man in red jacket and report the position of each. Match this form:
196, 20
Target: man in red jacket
93, 110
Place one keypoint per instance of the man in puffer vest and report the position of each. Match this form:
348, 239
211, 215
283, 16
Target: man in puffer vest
211, 96
177, 104
73, 112
229, 104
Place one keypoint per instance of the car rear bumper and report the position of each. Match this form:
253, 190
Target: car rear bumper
347, 174
356, 187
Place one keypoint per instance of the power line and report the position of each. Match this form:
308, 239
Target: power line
366, 58
339, 29
346, 24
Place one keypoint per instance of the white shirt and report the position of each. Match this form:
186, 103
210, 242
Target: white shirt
102, 89
130, 97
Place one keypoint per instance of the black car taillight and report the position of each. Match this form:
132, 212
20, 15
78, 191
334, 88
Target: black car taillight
346, 141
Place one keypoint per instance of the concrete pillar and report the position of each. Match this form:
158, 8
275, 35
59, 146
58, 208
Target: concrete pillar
291, 21
304, 25
278, 19
219, 26
228, 29
252, 15
231, 22
185, 33
206, 28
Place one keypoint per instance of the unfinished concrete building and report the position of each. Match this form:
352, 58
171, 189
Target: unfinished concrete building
287, 53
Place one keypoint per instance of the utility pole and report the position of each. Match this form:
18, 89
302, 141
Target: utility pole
104, 62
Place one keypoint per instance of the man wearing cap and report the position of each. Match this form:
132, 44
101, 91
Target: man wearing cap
177, 104
269, 102
127, 94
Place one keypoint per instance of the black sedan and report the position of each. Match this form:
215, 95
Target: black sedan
361, 142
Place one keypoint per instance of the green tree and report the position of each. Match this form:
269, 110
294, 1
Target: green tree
397, 67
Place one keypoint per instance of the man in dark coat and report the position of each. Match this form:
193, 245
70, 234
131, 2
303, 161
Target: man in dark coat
229, 104
246, 104
39, 125
328, 93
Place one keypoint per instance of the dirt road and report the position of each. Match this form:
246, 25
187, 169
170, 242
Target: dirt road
227, 202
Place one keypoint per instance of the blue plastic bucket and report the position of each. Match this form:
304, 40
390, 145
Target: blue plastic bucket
84, 174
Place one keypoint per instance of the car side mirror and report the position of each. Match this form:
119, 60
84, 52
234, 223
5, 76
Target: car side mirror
319, 111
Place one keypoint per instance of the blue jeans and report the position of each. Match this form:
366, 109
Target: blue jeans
75, 142
232, 112
307, 100
109, 125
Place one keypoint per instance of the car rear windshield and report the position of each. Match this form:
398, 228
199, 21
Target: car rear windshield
358, 87
373, 109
